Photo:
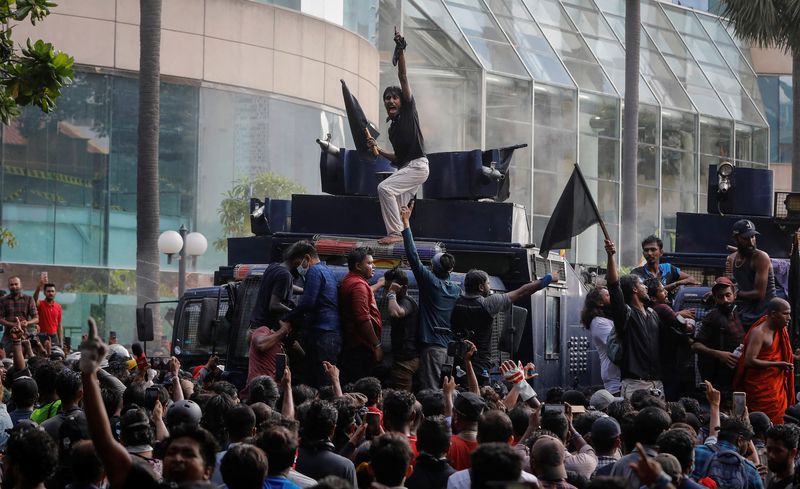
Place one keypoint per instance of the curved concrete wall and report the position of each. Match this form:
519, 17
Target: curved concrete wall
232, 42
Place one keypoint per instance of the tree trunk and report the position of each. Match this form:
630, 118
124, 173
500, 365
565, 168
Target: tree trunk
629, 238
147, 195
795, 120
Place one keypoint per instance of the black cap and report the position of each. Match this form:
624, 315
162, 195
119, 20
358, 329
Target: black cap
470, 406
605, 428
745, 228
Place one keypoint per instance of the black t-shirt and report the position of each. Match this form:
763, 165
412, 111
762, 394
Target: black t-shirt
405, 134
404, 330
277, 281
718, 331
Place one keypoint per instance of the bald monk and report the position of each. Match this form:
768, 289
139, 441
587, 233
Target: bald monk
766, 369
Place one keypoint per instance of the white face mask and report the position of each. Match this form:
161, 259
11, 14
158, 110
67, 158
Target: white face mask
302, 270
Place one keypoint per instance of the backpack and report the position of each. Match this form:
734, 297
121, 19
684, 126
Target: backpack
727, 468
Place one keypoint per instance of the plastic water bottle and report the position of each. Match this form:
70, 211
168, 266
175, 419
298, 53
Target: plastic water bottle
738, 351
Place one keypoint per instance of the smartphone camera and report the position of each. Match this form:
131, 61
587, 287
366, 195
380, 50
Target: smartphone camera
150, 397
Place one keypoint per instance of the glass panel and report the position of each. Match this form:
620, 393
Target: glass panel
599, 121
435, 21
530, 42
680, 61
552, 336
678, 130
508, 122
715, 137
760, 139
648, 124
446, 81
678, 170
728, 48
777, 94
646, 212
436, 39
606, 48
554, 130
721, 77
647, 168
743, 143
486, 37
55, 178
563, 36
653, 68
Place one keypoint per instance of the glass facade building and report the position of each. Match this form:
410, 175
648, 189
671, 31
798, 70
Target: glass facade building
485, 74
550, 73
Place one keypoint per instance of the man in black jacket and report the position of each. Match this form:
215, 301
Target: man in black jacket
637, 327
433, 442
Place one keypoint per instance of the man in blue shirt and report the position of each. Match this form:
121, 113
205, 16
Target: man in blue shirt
671, 276
437, 298
318, 310
733, 440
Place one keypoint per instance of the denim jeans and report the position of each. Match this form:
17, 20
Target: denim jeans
322, 346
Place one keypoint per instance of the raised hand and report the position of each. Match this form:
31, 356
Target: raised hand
331, 371
405, 213
712, 394
471, 350
93, 350
611, 248
646, 469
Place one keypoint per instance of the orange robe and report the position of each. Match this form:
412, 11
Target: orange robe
769, 390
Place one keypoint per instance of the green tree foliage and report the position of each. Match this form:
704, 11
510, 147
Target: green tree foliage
7, 238
35, 73
234, 210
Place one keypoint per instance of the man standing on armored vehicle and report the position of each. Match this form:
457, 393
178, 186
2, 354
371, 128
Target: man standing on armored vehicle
409, 149
752, 271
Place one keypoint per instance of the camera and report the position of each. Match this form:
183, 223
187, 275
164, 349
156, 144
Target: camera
457, 349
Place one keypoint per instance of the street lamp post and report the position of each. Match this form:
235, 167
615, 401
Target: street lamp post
184, 244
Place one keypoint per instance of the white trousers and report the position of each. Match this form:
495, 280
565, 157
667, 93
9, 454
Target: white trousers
397, 191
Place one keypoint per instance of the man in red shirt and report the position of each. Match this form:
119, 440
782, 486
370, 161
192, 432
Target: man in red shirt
467, 410
49, 312
361, 318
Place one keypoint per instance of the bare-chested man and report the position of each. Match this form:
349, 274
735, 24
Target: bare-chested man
751, 269
766, 370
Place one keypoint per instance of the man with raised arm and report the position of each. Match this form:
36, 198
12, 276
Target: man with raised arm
409, 149
190, 452
636, 326
437, 297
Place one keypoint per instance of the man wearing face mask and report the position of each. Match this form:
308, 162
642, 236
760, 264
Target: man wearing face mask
476, 309
318, 311
718, 336
752, 271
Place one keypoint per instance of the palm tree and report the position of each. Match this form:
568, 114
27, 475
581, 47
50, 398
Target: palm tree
630, 124
147, 196
773, 23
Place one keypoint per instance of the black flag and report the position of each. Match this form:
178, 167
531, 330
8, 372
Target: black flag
358, 122
574, 212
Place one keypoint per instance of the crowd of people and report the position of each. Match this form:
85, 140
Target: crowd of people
435, 418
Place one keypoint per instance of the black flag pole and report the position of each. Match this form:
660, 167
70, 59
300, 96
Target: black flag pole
594, 204
575, 211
